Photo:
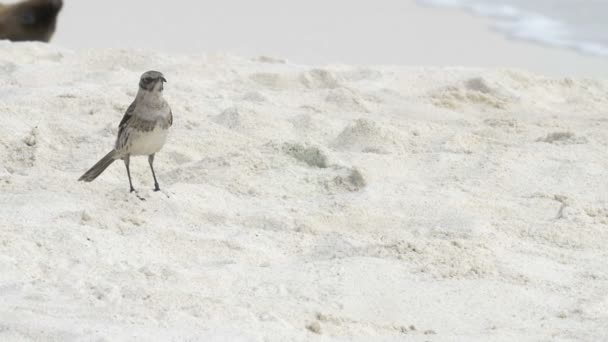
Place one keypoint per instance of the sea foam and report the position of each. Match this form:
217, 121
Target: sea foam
556, 23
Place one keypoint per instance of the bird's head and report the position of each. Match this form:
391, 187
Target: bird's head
152, 81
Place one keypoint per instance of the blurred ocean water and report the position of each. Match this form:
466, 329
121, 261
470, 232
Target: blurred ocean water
581, 25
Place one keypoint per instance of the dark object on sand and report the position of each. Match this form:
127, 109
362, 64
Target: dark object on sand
29, 20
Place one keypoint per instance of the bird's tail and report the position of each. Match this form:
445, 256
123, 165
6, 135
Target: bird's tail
99, 167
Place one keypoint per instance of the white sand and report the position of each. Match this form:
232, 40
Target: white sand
301, 203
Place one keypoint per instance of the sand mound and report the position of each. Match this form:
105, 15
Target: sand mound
367, 136
311, 79
346, 99
312, 156
348, 179
473, 91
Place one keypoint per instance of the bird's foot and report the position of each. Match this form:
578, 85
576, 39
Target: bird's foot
136, 194
157, 189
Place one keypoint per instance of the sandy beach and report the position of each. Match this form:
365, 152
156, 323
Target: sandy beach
302, 203
336, 171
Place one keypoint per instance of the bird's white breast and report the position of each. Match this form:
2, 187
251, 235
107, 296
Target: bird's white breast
146, 143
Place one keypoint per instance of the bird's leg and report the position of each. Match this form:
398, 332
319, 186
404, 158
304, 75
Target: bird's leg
129, 172
151, 162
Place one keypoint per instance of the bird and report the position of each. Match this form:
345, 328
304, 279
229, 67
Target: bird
143, 129
29, 20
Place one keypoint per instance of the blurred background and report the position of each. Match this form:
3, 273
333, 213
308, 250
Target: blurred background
554, 37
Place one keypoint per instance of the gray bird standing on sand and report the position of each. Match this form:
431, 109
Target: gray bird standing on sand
142, 130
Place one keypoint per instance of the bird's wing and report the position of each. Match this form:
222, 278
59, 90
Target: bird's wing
170, 118
125, 119
123, 124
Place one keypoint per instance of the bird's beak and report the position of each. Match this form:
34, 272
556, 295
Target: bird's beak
163, 79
